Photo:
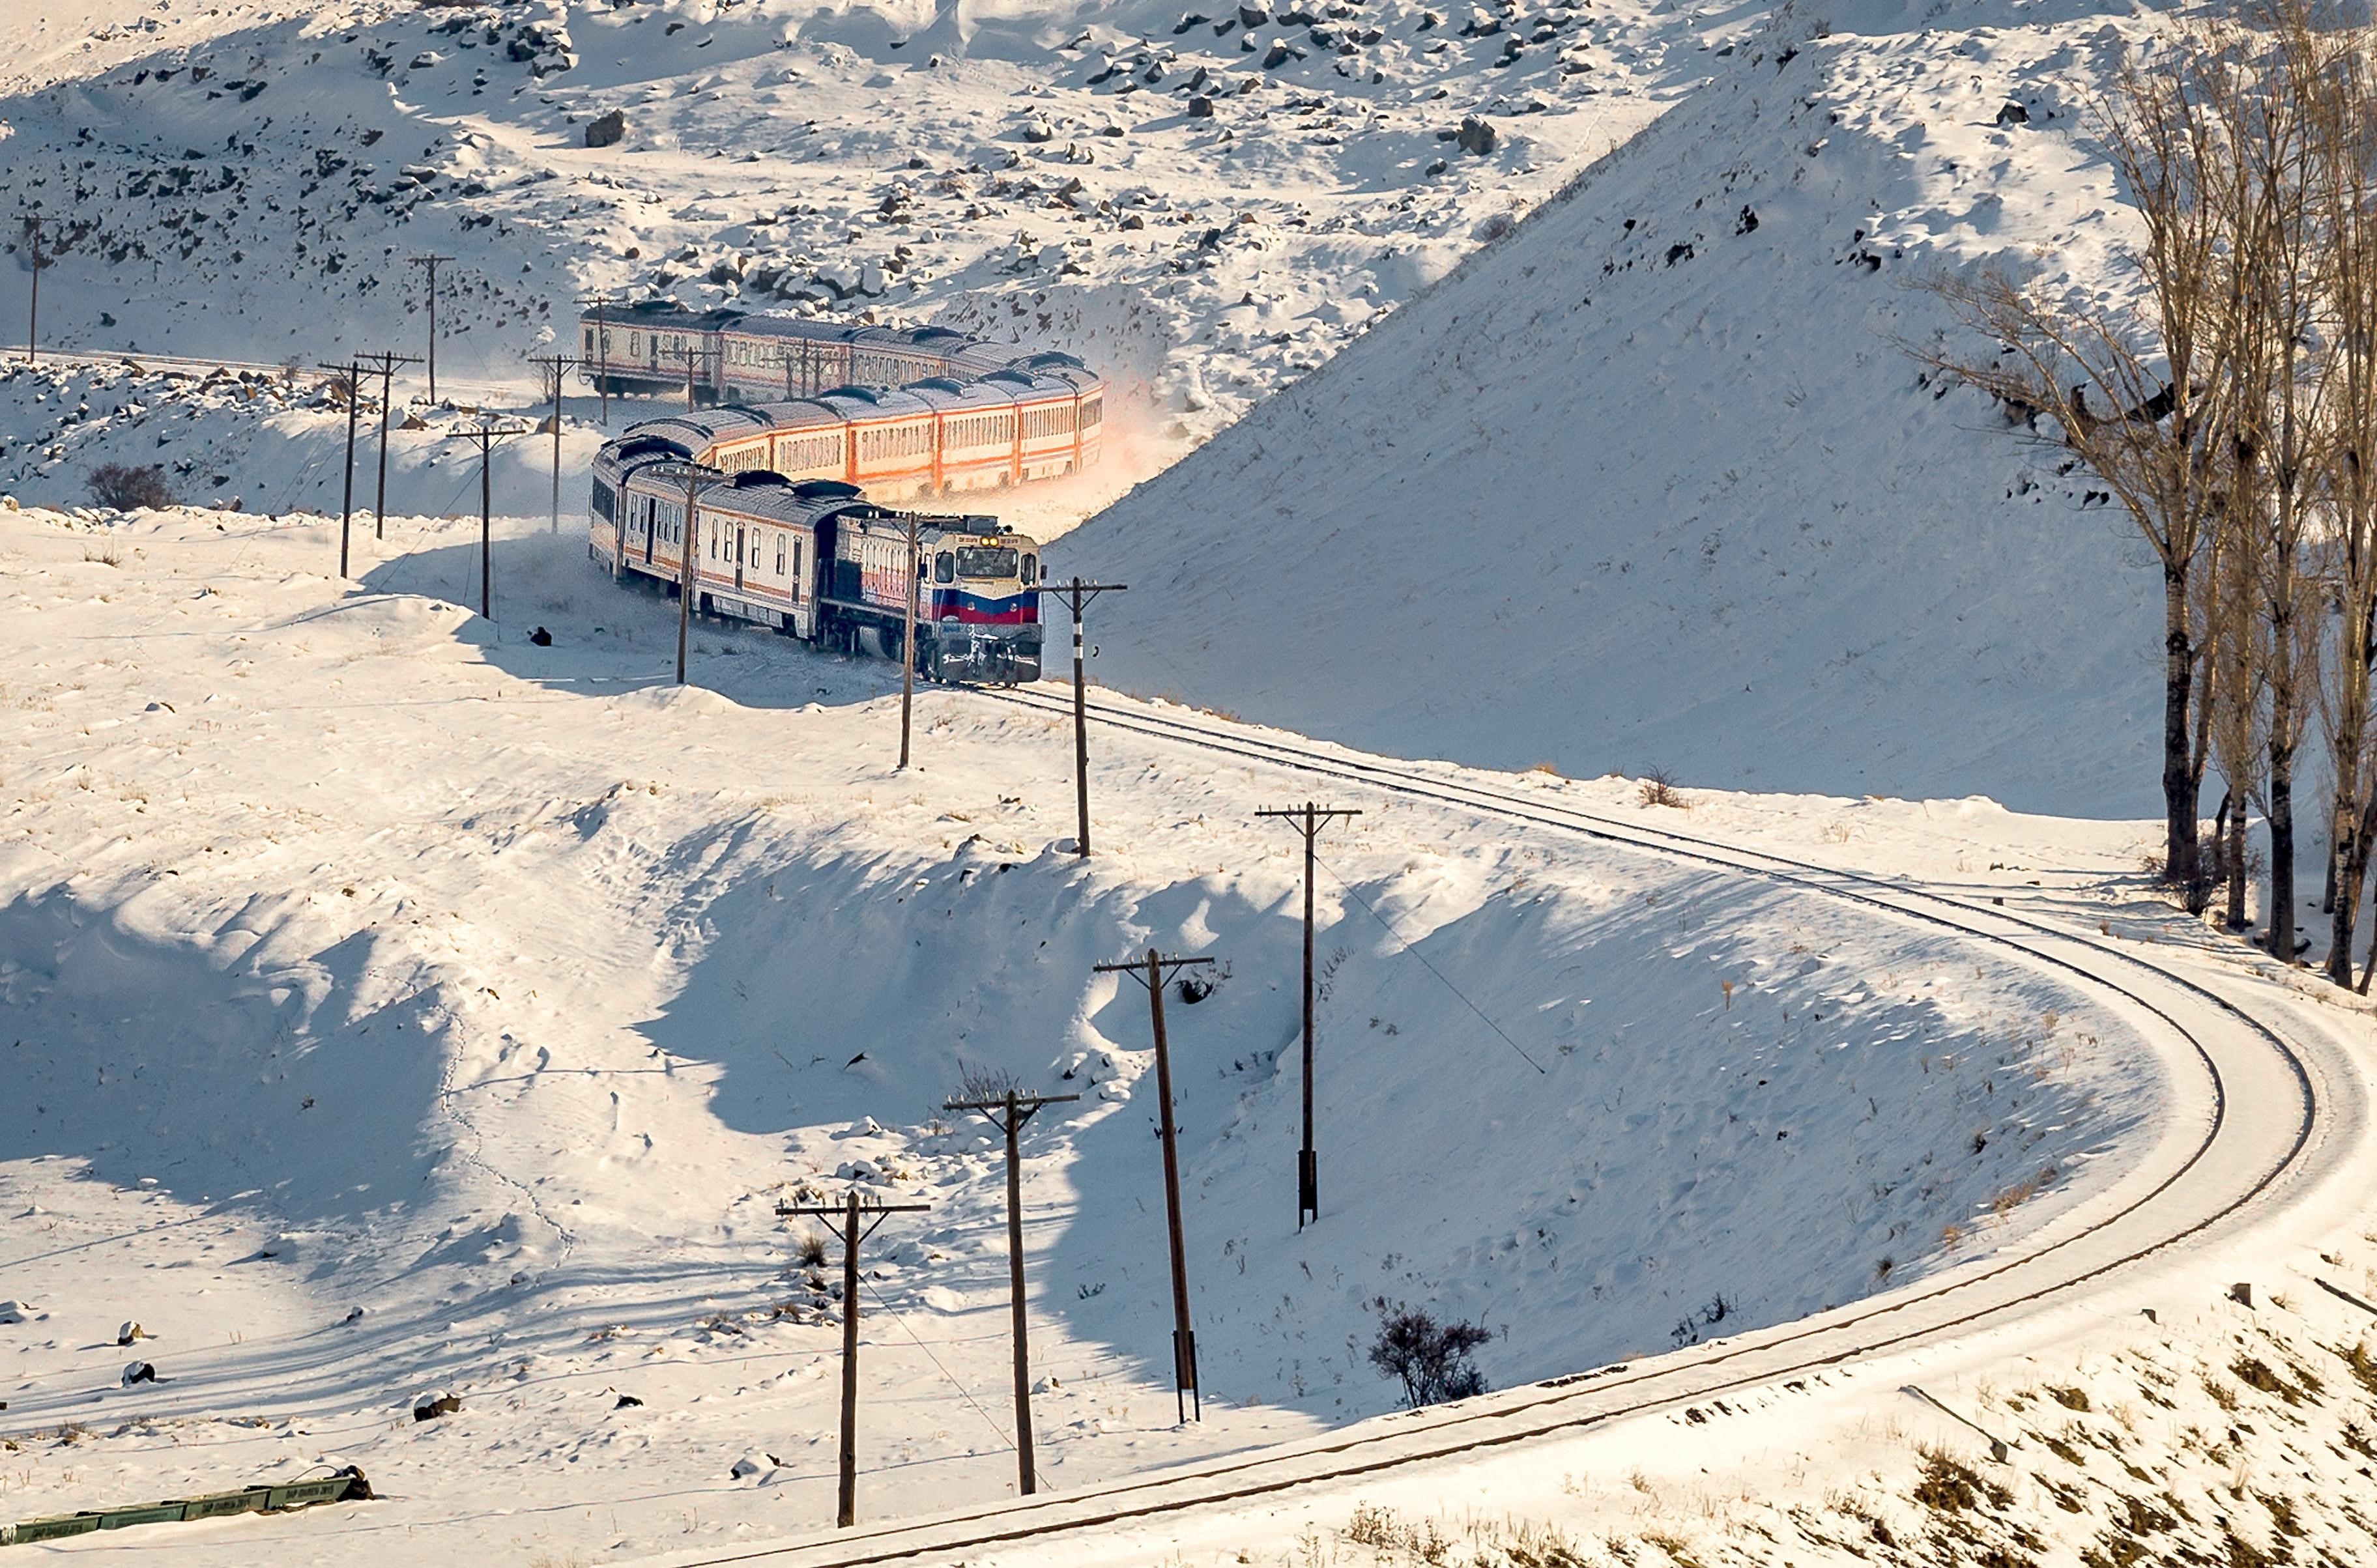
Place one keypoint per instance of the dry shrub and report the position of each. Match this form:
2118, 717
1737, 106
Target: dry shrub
1658, 789
127, 489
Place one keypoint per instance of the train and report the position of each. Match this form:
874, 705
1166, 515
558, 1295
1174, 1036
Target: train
899, 411
818, 559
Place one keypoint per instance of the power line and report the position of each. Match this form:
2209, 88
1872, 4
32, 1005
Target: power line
1431, 968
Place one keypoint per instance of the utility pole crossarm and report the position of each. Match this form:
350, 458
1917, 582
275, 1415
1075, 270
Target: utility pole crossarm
556, 366
1025, 1102
1076, 595
849, 1211
1009, 1112
1155, 972
386, 363
432, 262
1308, 820
485, 438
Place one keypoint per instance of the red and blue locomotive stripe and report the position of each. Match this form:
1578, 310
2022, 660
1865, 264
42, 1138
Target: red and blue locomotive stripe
984, 610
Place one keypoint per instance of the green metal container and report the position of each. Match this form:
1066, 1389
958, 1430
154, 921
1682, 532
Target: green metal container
150, 1514
215, 1505
329, 1489
57, 1528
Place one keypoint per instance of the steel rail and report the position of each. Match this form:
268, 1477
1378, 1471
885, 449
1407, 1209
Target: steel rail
1456, 1432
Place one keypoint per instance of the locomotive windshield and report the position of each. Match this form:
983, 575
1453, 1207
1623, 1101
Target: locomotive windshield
985, 561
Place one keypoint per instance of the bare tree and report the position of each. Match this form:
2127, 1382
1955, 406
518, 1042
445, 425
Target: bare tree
2275, 265
2229, 699
2133, 392
2344, 172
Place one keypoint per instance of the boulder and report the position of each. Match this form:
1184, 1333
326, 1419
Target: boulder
2013, 114
1253, 17
429, 1407
607, 130
140, 1371
1037, 130
1476, 135
1200, 108
129, 1333
14, 1311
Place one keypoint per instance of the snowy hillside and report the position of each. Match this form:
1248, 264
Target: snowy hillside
362, 957
1203, 207
1651, 483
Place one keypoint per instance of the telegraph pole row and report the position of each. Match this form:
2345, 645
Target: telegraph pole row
1155, 972
486, 435
601, 301
1308, 820
556, 366
850, 1235
386, 363
352, 374
1077, 594
692, 357
1008, 1113
697, 480
908, 646
34, 224
432, 262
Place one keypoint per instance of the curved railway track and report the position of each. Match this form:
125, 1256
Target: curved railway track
2252, 1129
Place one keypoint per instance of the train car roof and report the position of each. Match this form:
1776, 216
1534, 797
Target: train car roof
872, 403
659, 312
792, 326
946, 395
704, 426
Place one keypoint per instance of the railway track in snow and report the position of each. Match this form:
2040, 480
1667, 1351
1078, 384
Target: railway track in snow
2263, 1104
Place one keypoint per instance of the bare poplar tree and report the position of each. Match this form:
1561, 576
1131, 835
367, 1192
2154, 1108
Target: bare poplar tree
2344, 170
2275, 269
2134, 392
2229, 697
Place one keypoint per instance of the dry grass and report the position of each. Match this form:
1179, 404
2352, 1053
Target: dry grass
1657, 788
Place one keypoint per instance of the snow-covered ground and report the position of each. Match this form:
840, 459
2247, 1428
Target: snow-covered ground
396, 1005
1652, 481
1202, 207
361, 954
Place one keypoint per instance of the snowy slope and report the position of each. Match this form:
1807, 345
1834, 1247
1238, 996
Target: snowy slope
251, 181
359, 954
1651, 483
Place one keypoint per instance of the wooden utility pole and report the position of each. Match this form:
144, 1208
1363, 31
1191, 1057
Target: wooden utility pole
1077, 594
1309, 820
908, 646
432, 262
1008, 1113
695, 480
601, 301
386, 363
1153, 973
849, 1211
33, 227
556, 366
486, 435
354, 371
691, 355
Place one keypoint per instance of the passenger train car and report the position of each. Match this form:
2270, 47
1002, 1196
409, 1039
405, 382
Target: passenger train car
1039, 418
734, 357
816, 559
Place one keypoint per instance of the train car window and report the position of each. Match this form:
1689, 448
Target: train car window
780, 556
985, 561
945, 568
1031, 569
796, 560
